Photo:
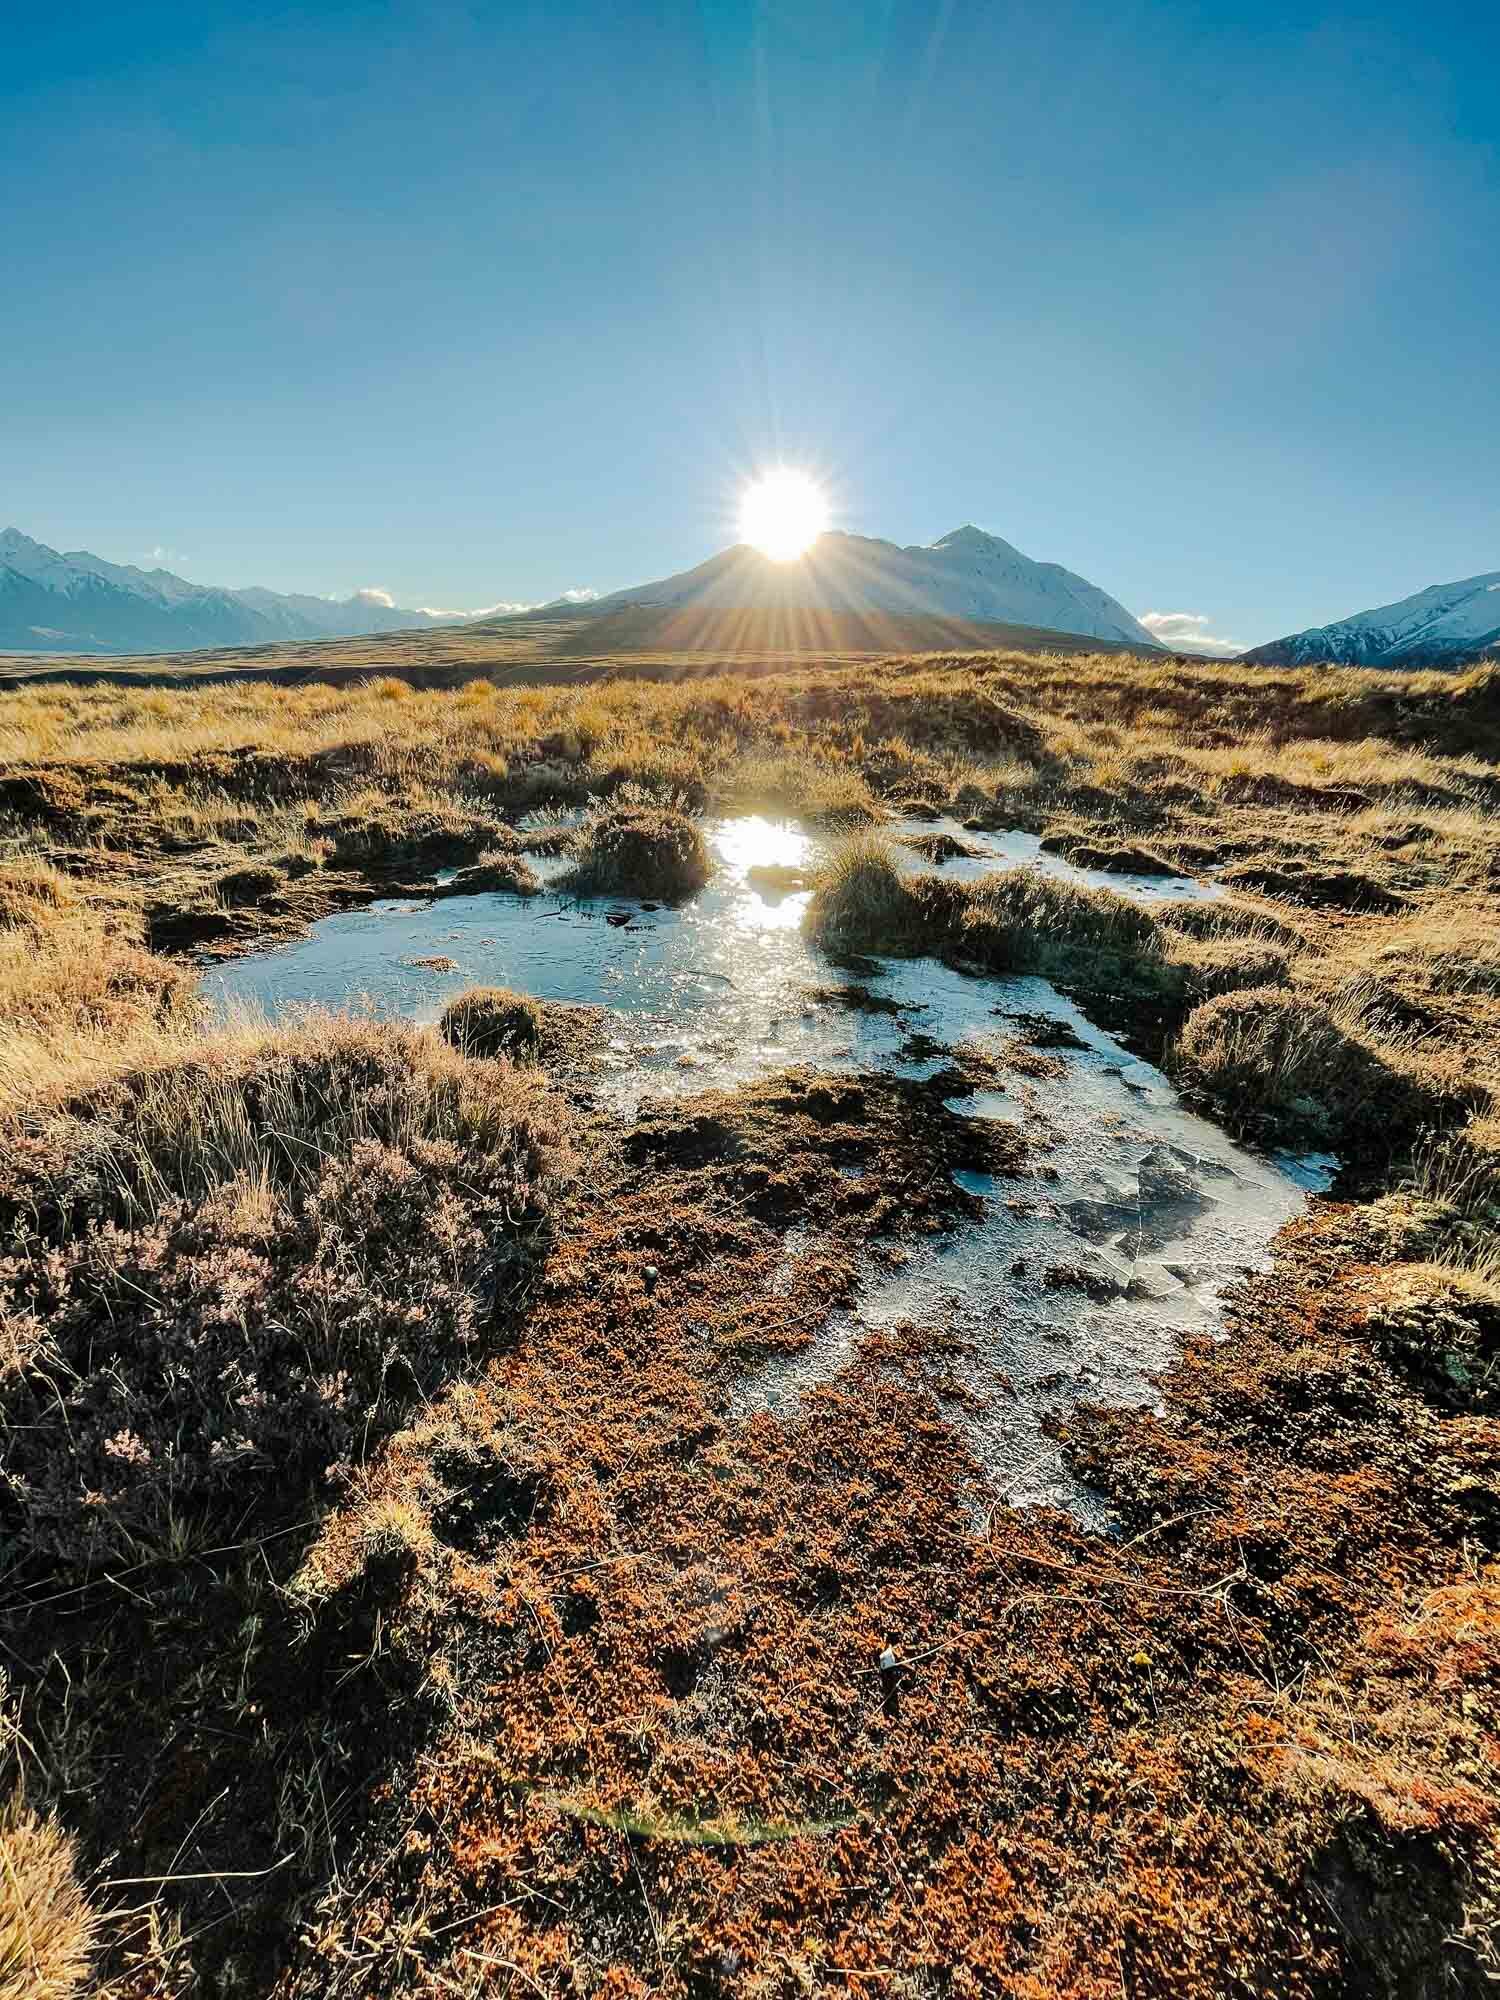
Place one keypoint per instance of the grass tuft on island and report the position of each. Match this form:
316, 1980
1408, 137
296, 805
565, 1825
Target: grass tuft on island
492, 1021
638, 848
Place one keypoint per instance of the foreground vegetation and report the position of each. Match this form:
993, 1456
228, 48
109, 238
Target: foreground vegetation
392, 1603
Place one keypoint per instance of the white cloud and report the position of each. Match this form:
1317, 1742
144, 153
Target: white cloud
511, 607
507, 607
1187, 632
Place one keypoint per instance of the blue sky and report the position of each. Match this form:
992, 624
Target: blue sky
472, 302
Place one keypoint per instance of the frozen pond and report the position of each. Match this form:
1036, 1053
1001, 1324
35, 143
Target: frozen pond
713, 992
1119, 1237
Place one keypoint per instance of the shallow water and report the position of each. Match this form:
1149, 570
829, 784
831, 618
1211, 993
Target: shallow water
710, 993
1132, 1217
1010, 847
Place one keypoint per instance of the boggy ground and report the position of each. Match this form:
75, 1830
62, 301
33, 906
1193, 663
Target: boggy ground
393, 1602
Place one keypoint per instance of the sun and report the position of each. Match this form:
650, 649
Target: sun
782, 513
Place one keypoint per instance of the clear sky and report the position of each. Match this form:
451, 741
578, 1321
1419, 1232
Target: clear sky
470, 302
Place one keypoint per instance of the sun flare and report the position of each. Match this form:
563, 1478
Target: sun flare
782, 514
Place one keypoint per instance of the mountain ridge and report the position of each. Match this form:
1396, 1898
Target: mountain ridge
1443, 625
968, 574
76, 602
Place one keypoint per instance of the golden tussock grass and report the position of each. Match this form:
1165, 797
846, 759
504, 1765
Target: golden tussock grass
48, 1929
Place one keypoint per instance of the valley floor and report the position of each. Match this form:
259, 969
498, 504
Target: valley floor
393, 1600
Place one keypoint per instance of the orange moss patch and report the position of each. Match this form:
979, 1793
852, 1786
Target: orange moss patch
1246, 1745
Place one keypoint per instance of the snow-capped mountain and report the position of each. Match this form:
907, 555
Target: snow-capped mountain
968, 574
1446, 625
78, 603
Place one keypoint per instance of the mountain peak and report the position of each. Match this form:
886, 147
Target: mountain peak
968, 574
971, 541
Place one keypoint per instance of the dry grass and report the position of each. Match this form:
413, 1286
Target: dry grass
179, 1117
48, 1929
492, 1021
639, 846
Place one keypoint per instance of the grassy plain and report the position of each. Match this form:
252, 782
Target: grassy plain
390, 1602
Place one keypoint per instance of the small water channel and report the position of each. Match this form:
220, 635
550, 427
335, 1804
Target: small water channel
1134, 1213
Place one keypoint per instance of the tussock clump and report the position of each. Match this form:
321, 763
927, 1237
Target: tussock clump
48, 1930
1012, 921
1120, 857
272, 1105
492, 1021
1228, 964
1280, 1064
500, 872
383, 834
32, 893
1304, 882
639, 850
68, 968
251, 884
939, 848
1440, 1326
269, 1251
862, 901
776, 878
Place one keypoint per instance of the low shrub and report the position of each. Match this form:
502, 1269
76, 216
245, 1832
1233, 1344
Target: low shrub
231, 1278
492, 1021
639, 850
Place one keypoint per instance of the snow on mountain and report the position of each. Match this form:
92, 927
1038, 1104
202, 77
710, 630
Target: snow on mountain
1446, 625
78, 603
967, 574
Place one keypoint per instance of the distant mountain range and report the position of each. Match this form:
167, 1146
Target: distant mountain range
78, 603
966, 575
1446, 625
